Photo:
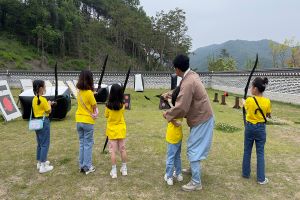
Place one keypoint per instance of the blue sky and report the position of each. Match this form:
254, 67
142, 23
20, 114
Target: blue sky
217, 21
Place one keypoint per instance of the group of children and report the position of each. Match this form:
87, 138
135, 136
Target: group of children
85, 116
257, 107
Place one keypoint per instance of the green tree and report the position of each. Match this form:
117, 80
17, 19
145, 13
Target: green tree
221, 64
224, 53
170, 35
274, 51
250, 63
294, 59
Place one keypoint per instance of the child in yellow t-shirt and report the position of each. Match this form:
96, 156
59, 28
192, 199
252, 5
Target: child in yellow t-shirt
86, 114
116, 128
258, 108
41, 108
174, 140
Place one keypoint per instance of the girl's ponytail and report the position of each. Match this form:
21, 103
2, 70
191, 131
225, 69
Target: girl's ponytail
37, 84
39, 101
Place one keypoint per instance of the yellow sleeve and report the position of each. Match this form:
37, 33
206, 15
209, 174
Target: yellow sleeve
247, 103
91, 98
106, 112
45, 105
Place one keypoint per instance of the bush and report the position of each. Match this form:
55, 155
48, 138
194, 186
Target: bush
8, 56
227, 128
75, 64
2, 64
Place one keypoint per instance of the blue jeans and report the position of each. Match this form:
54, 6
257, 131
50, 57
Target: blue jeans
86, 141
43, 141
173, 159
196, 171
257, 133
198, 146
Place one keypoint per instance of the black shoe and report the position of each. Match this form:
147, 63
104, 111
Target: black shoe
81, 170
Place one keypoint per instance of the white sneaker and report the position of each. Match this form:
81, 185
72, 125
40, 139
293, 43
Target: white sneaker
90, 170
264, 182
179, 177
38, 165
123, 171
45, 168
113, 173
168, 180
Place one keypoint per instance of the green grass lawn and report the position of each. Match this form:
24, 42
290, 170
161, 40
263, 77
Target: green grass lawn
146, 147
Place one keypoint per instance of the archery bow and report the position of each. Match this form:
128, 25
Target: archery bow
56, 83
56, 92
126, 79
247, 87
102, 73
124, 87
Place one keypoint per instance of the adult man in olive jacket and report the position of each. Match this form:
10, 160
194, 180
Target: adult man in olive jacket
193, 104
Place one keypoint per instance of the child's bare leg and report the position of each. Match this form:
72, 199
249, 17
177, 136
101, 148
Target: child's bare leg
123, 150
112, 150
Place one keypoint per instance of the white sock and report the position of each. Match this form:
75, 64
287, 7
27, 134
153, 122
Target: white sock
124, 166
114, 167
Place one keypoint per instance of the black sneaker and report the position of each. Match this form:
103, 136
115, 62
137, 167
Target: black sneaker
81, 170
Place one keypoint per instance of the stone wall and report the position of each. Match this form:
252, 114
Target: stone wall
284, 85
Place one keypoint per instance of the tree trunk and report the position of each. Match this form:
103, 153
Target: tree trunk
3, 19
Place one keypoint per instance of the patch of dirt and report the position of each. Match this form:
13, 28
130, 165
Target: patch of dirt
38, 65
89, 189
297, 195
15, 179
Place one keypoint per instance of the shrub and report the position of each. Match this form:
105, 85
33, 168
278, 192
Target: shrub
75, 64
227, 128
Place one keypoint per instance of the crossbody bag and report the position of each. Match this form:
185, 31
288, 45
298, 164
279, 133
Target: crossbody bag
36, 124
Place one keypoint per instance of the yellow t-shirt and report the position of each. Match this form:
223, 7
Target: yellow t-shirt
40, 110
250, 106
174, 133
82, 115
115, 126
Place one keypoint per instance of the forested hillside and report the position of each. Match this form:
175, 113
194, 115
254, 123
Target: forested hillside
78, 34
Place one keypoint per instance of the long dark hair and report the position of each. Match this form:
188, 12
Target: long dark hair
175, 94
85, 81
37, 84
116, 97
260, 83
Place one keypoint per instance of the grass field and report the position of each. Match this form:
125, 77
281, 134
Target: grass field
146, 149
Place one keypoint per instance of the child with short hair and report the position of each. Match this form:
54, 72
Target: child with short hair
116, 128
257, 108
174, 140
86, 114
41, 108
